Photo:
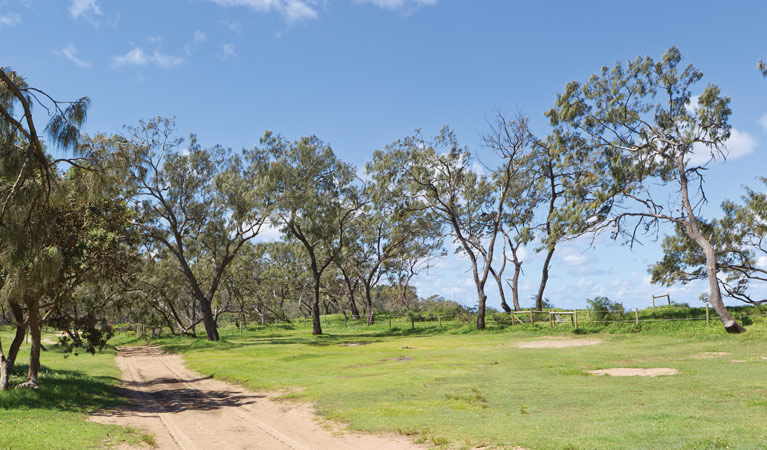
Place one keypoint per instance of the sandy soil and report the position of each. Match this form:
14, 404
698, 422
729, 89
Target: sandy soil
634, 372
558, 343
187, 411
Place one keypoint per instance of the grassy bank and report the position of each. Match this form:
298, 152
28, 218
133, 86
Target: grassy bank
454, 387
54, 417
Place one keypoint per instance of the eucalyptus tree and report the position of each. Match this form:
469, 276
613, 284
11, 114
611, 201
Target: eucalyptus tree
470, 205
30, 257
523, 170
315, 200
200, 204
391, 226
644, 132
739, 240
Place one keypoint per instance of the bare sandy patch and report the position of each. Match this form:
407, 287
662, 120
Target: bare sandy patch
559, 343
185, 410
634, 372
708, 355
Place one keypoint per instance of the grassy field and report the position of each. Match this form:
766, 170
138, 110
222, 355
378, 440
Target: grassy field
54, 417
452, 387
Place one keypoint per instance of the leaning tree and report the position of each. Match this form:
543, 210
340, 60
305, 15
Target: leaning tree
648, 138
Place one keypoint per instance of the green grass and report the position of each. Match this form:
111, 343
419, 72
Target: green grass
453, 387
54, 417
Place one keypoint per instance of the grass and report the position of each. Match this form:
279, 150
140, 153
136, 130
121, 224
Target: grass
453, 387
54, 417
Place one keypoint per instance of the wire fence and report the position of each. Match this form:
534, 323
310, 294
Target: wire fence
401, 320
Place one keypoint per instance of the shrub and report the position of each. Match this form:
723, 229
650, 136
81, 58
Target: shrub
604, 309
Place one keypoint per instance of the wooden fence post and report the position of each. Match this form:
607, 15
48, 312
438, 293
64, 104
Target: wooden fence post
440, 320
575, 315
707, 316
532, 319
636, 315
389, 322
551, 320
653, 302
412, 321
588, 314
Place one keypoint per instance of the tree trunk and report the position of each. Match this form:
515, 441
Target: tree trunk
715, 294
544, 279
481, 310
208, 320
499, 282
693, 230
369, 306
34, 349
316, 326
353, 307
515, 286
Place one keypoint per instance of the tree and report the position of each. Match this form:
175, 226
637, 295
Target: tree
30, 258
201, 205
391, 226
642, 133
470, 205
521, 170
739, 240
315, 200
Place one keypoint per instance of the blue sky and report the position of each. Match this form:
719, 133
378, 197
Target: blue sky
363, 73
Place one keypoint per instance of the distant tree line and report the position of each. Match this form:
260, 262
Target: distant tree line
148, 226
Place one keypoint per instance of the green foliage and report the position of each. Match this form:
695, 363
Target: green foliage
604, 309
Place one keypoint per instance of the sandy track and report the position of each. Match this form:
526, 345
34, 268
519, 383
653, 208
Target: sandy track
187, 411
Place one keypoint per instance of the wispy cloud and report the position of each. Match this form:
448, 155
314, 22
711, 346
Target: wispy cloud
199, 37
228, 51
738, 145
84, 8
763, 122
70, 52
292, 10
138, 57
91, 12
234, 27
10, 19
399, 5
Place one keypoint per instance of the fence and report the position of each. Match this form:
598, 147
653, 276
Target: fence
528, 317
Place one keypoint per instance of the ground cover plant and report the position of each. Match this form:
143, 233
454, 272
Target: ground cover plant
54, 416
454, 387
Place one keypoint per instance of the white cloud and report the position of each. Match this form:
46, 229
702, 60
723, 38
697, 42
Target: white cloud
393, 5
199, 37
763, 122
292, 10
234, 27
10, 19
228, 50
762, 262
70, 53
738, 145
84, 8
138, 57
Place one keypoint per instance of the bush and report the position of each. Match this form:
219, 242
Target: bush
604, 309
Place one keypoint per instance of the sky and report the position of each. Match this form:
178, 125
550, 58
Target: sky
361, 74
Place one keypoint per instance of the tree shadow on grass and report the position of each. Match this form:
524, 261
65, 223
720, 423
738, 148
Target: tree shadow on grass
64, 390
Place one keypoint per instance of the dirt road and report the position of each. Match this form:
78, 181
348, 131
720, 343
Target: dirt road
187, 411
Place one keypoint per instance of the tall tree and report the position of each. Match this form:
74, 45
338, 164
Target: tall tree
202, 205
522, 170
315, 200
29, 255
470, 205
644, 132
